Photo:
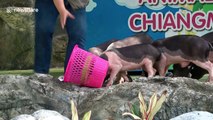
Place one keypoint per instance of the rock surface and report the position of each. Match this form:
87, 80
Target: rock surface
42, 115
27, 94
196, 115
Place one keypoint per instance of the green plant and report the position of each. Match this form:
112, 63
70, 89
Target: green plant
134, 109
154, 106
75, 112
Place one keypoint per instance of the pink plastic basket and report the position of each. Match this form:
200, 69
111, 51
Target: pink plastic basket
85, 69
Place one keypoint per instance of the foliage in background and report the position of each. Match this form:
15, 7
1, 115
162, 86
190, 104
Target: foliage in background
154, 106
75, 112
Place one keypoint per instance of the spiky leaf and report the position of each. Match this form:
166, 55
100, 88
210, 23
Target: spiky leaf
87, 116
152, 103
135, 117
74, 111
158, 105
143, 106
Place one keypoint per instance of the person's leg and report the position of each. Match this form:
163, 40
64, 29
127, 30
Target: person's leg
76, 29
45, 20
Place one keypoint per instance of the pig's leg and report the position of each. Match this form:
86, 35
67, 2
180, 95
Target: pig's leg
118, 78
161, 65
114, 71
124, 76
166, 69
162, 70
148, 67
207, 66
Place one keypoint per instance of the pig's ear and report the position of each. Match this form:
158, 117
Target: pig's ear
104, 56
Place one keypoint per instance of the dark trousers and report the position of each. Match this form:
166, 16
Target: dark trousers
45, 20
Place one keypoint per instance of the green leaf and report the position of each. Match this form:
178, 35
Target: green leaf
135, 117
158, 105
143, 106
87, 116
74, 111
136, 109
131, 108
152, 103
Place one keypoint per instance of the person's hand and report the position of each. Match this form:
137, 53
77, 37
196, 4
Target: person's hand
63, 17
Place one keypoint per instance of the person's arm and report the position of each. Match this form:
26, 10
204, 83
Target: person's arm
64, 13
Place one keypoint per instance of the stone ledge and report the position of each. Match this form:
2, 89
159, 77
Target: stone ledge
184, 95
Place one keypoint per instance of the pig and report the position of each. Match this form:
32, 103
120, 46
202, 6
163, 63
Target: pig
192, 70
138, 38
115, 43
99, 49
132, 40
183, 50
140, 56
